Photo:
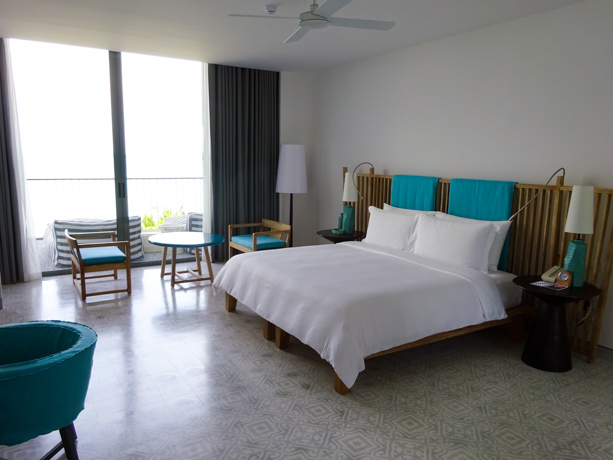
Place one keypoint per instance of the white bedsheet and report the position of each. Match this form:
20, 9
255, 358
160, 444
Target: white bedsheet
510, 293
350, 300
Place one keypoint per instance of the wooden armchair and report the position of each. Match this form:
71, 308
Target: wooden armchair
98, 257
277, 237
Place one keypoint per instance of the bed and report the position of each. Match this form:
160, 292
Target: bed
374, 299
368, 299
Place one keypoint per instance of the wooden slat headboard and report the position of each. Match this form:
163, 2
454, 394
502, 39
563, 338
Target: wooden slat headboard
537, 241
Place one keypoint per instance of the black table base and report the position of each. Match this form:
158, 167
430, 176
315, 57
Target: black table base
548, 346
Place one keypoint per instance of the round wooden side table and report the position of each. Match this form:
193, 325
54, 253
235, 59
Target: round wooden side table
193, 240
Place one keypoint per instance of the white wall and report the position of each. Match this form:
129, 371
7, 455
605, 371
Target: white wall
513, 101
297, 113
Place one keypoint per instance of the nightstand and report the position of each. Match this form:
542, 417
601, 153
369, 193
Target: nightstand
341, 237
548, 346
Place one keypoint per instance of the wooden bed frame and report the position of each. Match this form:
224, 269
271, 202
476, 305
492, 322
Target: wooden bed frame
537, 242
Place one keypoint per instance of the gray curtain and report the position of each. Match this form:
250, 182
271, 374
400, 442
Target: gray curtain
244, 117
11, 262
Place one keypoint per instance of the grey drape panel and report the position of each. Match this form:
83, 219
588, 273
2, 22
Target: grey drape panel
11, 262
244, 117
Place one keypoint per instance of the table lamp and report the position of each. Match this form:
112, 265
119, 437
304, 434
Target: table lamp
350, 195
579, 220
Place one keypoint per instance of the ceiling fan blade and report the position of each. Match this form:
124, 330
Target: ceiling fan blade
331, 7
301, 32
362, 23
256, 16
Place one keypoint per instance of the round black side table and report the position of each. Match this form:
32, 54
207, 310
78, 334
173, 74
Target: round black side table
341, 237
548, 346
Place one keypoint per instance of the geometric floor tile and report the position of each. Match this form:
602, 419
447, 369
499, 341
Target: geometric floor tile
177, 377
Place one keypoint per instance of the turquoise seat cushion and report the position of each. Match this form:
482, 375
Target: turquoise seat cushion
105, 255
45, 368
263, 242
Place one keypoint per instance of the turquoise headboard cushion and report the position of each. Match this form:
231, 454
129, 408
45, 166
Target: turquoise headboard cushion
483, 200
414, 192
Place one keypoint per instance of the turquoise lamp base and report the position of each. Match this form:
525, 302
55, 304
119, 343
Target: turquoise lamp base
574, 261
348, 219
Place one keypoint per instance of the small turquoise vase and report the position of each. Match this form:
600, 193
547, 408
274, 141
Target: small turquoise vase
574, 261
348, 219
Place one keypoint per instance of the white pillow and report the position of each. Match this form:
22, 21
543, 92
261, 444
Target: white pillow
458, 244
389, 229
406, 212
501, 228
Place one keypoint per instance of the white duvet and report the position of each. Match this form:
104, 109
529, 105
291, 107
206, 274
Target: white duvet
350, 300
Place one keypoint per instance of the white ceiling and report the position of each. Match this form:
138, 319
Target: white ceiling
201, 29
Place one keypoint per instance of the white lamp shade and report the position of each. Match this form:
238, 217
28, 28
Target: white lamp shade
350, 193
291, 175
580, 218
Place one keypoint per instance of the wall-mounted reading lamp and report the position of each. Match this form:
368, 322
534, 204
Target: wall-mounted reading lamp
539, 192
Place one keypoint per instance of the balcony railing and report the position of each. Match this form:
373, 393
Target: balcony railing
64, 199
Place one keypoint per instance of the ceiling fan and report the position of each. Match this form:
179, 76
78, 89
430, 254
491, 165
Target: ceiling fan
319, 17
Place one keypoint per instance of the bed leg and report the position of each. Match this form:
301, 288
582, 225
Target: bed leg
281, 338
517, 330
230, 303
268, 330
339, 386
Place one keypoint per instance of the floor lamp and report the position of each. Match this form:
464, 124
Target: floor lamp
291, 176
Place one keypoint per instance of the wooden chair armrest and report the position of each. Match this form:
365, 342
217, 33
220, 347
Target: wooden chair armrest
94, 235
107, 244
270, 233
255, 224
233, 226
274, 225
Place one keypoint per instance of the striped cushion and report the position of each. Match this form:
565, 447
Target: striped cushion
175, 221
62, 255
194, 224
263, 242
106, 255
49, 239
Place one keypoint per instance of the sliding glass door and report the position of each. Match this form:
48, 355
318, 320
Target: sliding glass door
163, 126
64, 109
109, 135
162, 103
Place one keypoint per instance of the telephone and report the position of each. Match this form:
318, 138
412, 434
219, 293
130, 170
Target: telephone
551, 274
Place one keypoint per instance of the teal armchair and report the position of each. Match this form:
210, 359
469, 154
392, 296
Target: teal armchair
45, 367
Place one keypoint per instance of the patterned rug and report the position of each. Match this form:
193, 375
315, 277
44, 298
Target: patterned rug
177, 377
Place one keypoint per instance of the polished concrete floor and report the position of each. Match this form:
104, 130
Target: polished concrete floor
177, 377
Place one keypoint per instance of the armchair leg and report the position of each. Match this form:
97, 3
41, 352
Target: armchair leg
68, 443
69, 438
129, 280
83, 294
